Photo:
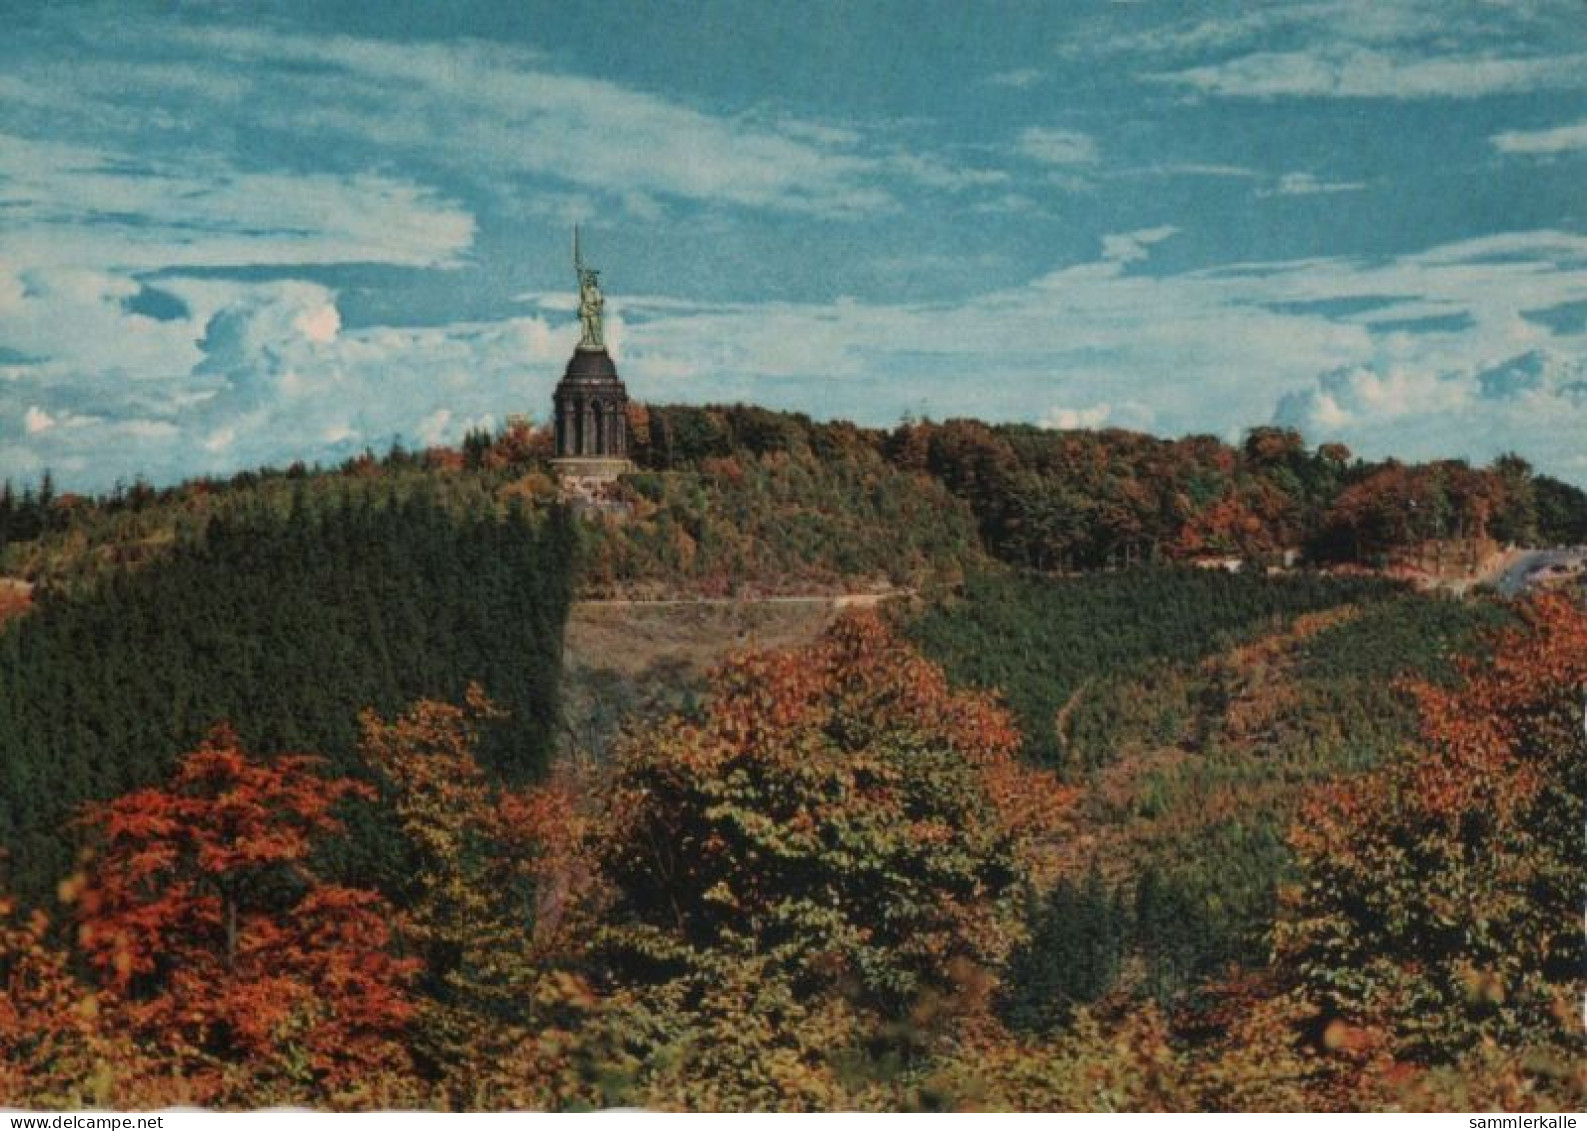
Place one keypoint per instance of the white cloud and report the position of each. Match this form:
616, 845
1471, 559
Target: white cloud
1131, 247
1560, 139
1331, 47
1205, 350
156, 430
1019, 78
319, 325
1009, 203
1346, 397
1349, 71
1546, 248
1052, 146
940, 173
255, 373
433, 428
36, 420
1306, 184
1193, 169
504, 109
1534, 403
89, 207
1179, 37
1068, 419
1353, 48
493, 114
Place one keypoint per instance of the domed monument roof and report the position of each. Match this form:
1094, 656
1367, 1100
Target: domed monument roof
590, 365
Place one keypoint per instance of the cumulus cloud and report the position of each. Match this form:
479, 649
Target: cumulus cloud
220, 439
319, 325
148, 321
1067, 419
1532, 402
227, 373
1326, 341
433, 429
1347, 397
265, 373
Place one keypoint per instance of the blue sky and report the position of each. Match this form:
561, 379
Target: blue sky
236, 233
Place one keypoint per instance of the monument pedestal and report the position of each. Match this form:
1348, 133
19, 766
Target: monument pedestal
588, 484
591, 416
592, 469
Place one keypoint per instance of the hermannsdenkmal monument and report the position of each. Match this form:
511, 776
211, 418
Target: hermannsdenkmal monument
590, 401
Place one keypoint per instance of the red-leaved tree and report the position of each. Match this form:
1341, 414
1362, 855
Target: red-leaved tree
220, 950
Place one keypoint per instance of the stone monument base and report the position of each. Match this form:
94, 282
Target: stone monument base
591, 469
588, 484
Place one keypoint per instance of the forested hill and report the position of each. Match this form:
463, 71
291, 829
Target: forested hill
1075, 500
734, 490
742, 499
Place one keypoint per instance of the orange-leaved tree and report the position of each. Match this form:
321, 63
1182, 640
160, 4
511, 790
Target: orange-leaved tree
1439, 914
221, 952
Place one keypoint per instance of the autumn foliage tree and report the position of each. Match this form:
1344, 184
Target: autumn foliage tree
51, 1043
1398, 508
460, 883
495, 873
1439, 918
836, 820
219, 949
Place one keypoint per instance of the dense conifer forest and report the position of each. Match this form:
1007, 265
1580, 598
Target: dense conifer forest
286, 626
1041, 640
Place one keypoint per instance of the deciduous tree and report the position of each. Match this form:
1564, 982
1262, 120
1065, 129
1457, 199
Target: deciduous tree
1440, 908
257, 981
838, 817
